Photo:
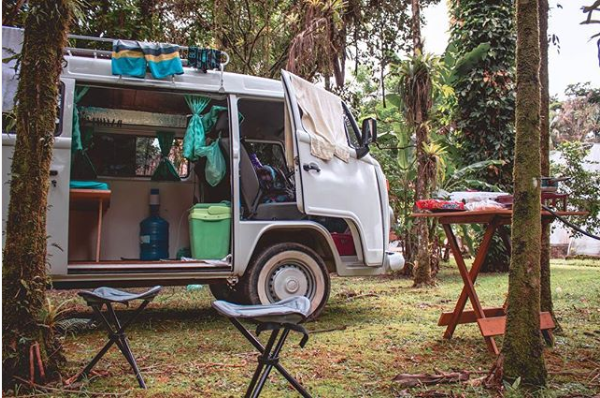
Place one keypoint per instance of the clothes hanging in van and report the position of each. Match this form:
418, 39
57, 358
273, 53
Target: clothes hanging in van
165, 171
203, 59
82, 167
323, 119
131, 58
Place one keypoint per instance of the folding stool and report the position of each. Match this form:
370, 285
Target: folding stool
106, 296
281, 317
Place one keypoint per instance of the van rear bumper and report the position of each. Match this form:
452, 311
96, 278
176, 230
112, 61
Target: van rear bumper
394, 261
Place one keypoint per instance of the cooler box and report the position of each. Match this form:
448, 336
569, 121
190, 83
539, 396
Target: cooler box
210, 230
344, 244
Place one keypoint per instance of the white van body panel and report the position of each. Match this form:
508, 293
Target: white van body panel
349, 190
355, 191
60, 168
90, 70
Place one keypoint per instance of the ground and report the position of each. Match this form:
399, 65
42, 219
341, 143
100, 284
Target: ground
371, 330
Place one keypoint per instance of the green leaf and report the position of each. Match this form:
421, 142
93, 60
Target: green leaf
468, 61
394, 99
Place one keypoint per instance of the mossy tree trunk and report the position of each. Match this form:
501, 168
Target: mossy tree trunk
522, 351
546, 289
24, 269
422, 270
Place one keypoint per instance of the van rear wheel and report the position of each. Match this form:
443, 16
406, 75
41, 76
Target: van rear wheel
223, 291
286, 270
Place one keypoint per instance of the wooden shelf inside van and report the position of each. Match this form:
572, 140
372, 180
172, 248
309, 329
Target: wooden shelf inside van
91, 200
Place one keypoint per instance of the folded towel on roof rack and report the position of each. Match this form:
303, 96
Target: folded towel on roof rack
203, 58
130, 58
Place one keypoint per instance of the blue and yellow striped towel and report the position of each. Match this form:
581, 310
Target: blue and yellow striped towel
130, 58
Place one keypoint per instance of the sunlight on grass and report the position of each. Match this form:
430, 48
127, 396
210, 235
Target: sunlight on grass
372, 329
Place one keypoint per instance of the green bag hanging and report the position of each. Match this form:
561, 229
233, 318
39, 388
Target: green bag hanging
195, 134
166, 170
215, 163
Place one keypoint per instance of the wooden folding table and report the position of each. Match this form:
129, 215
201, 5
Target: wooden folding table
491, 321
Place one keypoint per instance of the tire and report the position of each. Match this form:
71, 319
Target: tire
223, 291
285, 270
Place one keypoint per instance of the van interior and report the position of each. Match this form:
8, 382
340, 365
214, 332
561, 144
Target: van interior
126, 135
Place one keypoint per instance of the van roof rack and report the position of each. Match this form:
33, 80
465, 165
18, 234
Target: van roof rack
106, 54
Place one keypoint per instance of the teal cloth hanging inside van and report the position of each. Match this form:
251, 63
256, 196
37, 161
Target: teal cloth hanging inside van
76, 143
81, 165
166, 170
209, 119
194, 138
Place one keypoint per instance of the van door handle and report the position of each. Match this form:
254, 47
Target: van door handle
311, 166
53, 173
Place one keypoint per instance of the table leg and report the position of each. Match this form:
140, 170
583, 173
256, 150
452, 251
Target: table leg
99, 231
469, 278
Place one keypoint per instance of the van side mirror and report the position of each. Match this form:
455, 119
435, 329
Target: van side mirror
369, 131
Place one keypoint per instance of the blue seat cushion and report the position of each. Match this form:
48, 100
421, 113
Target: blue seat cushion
110, 295
88, 185
292, 310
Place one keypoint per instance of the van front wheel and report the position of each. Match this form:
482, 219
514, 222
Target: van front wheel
286, 270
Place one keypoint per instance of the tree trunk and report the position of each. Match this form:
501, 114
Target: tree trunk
24, 269
546, 289
422, 270
416, 27
523, 349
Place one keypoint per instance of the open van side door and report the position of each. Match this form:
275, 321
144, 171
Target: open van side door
335, 187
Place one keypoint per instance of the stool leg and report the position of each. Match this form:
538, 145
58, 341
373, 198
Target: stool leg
273, 358
109, 343
261, 363
123, 343
277, 365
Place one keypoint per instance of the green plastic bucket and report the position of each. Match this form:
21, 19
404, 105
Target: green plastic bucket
210, 230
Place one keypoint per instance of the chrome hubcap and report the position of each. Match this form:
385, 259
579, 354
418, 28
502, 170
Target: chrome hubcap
290, 280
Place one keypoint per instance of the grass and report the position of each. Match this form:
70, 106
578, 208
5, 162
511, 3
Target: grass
185, 349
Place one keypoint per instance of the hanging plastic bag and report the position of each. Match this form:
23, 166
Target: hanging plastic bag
215, 168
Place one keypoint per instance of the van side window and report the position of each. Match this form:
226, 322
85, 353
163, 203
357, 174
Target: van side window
9, 122
270, 153
120, 155
352, 132
129, 132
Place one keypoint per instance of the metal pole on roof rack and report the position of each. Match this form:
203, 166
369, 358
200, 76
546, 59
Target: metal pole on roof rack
91, 38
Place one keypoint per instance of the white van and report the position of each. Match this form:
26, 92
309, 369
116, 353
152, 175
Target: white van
334, 217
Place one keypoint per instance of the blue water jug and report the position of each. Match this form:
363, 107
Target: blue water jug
154, 232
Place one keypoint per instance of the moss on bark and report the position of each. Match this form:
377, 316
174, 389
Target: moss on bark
546, 287
422, 90
523, 347
24, 269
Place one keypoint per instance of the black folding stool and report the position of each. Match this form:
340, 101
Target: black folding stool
283, 316
116, 332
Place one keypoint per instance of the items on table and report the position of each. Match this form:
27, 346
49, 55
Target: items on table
440, 205
487, 204
474, 196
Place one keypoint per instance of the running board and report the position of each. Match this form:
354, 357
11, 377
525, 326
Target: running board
120, 267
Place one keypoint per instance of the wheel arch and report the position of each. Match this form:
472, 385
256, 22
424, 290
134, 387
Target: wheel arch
311, 235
